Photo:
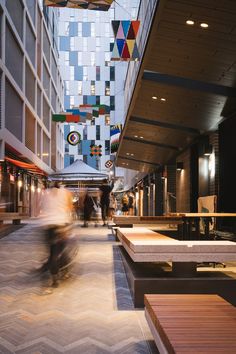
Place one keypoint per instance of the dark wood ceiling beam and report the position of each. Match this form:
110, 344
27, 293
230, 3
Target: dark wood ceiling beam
147, 142
188, 130
139, 161
189, 84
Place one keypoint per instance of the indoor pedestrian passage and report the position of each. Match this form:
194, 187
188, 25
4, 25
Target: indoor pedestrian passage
92, 312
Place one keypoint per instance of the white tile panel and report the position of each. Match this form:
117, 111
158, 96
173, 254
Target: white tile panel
86, 87
92, 73
91, 131
91, 44
78, 44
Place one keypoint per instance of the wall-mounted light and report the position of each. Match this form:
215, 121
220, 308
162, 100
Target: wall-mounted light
179, 166
208, 150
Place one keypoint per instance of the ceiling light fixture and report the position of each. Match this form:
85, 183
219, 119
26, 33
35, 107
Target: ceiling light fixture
154, 97
141, 137
179, 166
190, 22
204, 25
163, 99
136, 136
208, 150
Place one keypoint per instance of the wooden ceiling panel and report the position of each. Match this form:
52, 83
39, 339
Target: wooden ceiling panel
135, 165
159, 135
149, 153
202, 54
193, 109
205, 58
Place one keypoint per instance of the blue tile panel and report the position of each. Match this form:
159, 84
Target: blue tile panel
73, 57
66, 130
86, 29
64, 43
73, 29
91, 161
78, 73
67, 102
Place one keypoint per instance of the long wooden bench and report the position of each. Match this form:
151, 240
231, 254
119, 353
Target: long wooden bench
191, 323
146, 220
143, 251
14, 217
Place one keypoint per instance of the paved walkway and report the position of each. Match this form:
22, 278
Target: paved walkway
90, 313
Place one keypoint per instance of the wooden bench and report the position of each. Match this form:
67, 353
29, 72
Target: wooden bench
14, 217
191, 323
123, 221
155, 263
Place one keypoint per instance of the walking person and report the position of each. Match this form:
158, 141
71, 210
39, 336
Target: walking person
112, 206
56, 214
88, 209
131, 203
125, 202
105, 190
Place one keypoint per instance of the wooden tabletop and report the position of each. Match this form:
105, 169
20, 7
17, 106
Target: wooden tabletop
208, 215
193, 323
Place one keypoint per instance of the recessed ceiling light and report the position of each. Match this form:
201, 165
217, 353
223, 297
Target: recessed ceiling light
136, 136
163, 99
127, 153
141, 137
132, 154
190, 22
154, 97
204, 25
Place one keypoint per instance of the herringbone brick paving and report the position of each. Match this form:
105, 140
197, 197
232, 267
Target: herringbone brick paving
92, 312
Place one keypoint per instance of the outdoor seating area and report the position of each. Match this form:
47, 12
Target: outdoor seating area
155, 263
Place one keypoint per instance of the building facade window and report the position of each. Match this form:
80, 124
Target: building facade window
98, 132
98, 73
112, 73
107, 88
112, 103
107, 147
92, 88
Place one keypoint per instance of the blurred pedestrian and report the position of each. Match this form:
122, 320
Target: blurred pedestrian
131, 203
56, 214
112, 206
88, 209
125, 202
105, 189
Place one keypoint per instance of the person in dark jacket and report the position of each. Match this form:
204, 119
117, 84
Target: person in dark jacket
88, 209
105, 190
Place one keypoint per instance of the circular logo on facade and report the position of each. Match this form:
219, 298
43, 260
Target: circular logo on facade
109, 164
73, 138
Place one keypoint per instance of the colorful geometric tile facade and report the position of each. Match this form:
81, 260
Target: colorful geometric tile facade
95, 150
125, 46
70, 117
81, 114
115, 131
95, 110
98, 5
